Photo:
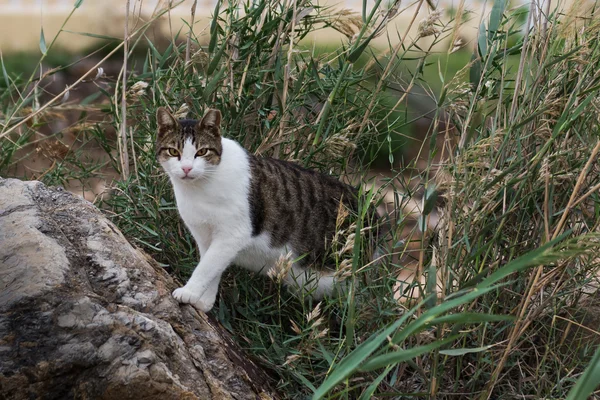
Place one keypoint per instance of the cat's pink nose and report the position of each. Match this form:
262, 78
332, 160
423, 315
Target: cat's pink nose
186, 170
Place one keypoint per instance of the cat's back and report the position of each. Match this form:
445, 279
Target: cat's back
296, 182
296, 206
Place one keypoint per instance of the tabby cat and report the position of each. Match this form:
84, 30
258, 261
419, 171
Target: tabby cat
247, 210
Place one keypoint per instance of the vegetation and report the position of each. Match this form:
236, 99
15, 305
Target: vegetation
496, 306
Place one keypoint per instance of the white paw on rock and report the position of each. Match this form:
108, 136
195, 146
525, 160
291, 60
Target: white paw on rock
187, 296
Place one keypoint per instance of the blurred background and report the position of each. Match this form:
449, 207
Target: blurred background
21, 20
96, 27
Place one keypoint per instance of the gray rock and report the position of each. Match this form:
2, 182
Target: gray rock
83, 314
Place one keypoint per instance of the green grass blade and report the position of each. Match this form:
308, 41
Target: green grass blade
351, 362
429, 316
496, 18
460, 352
213, 28
368, 393
533, 258
43, 47
470, 318
482, 41
4, 73
399, 356
212, 85
93, 35
588, 382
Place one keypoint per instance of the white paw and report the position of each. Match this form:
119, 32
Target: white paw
187, 296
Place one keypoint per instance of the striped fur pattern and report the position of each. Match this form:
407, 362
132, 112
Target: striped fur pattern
247, 210
296, 207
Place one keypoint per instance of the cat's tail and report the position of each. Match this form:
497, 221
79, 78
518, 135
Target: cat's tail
309, 282
381, 224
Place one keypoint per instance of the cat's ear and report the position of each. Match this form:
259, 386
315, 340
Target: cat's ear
165, 121
211, 121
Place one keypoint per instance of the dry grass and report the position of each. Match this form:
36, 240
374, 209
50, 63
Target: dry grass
495, 221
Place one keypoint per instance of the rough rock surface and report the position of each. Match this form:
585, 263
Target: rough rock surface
83, 314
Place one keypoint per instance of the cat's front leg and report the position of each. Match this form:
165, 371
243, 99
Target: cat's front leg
210, 295
201, 289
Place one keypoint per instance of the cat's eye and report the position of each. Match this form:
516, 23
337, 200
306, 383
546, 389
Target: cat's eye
173, 152
201, 152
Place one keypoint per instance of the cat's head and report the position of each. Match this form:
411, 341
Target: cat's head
188, 149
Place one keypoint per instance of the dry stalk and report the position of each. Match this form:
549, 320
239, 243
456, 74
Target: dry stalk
588, 194
578, 185
467, 123
135, 167
545, 23
189, 36
571, 322
546, 176
36, 96
277, 46
122, 140
39, 178
258, 29
502, 79
170, 22
286, 74
457, 24
513, 108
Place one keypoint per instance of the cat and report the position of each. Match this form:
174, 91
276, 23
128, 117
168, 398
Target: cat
247, 210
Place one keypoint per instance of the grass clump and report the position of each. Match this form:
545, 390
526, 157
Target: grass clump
494, 306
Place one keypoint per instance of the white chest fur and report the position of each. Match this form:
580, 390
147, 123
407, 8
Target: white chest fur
216, 209
220, 199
